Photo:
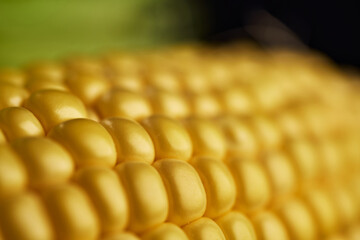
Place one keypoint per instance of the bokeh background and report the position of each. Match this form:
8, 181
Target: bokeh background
51, 29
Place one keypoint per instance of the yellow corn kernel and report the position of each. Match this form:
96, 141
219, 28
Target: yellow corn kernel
186, 193
87, 87
88, 142
345, 205
146, 193
2, 137
281, 172
269, 136
237, 102
122, 62
337, 237
121, 236
47, 162
194, 81
268, 227
240, 139
205, 105
121, 103
290, 125
71, 213
128, 81
252, 184
23, 217
52, 107
323, 209
204, 229
354, 232
13, 177
84, 65
108, 196
170, 138
313, 121
305, 159
131, 140
38, 84
93, 115
12, 76
17, 122
11, 95
169, 104
208, 140
165, 231
218, 183
236, 226
330, 157
46, 70
298, 220
163, 79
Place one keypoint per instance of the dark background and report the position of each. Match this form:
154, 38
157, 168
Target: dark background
331, 27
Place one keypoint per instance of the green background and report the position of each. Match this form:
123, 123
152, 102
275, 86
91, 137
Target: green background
52, 29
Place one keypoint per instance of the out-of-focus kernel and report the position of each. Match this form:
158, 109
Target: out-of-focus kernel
195, 81
170, 138
88, 142
108, 196
345, 205
2, 137
240, 139
186, 193
128, 81
267, 133
23, 217
169, 104
252, 184
237, 101
88, 87
146, 194
122, 103
291, 125
11, 95
131, 140
13, 176
71, 213
84, 65
17, 122
12, 76
354, 232
305, 159
218, 183
38, 84
47, 162
47, 71
313, 120
281, 172
330, 157
163, 79
165, 231
52, 107
207, 138
204, 229
205, 105
268, 227
298, 220
236, 226
323, 210
121, 236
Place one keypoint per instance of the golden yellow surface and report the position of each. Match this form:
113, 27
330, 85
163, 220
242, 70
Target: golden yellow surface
189, 143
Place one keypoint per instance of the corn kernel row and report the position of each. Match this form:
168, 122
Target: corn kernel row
183, 144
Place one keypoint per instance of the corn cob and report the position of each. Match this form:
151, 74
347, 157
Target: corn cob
185, 143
